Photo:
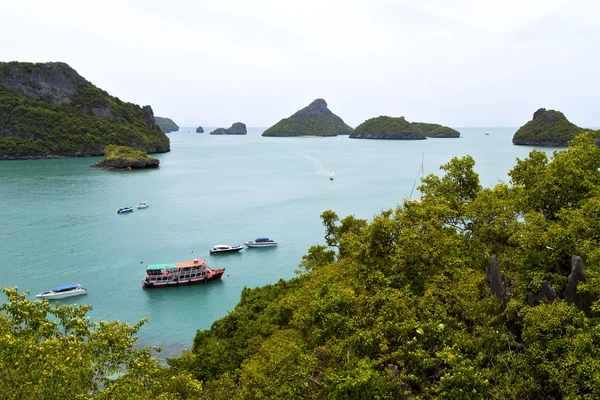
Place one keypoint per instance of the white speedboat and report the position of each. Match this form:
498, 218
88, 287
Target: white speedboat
223, 248
331, 177
123, 210
261, 242
143, 204
62, 292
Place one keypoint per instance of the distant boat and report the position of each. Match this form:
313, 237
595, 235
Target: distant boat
420, 175
62, 292
143, 204
331, 176
261, 242
125, 210
223, 248
487, 134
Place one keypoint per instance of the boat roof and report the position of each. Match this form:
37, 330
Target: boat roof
191, 263
66, 287
183, 264
262, 239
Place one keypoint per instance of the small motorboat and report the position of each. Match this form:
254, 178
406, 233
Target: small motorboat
62, 292
123, 210
223, 248
143, 204
261, 242
331, 177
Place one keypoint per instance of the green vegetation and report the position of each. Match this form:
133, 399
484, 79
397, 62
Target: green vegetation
384, 127
548, 128
314, 120
399, 307
55, 352
33, 126
435, 130
123, 157
166, 124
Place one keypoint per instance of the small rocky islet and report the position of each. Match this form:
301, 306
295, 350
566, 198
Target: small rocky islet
119, 158
199, 130
238, 128
166, 124
398, 128
313, 120
548, 128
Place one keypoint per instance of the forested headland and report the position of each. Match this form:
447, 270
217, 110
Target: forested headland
48, 110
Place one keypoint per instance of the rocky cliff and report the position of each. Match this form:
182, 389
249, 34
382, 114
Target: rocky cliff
199, 130
166, 124
547, 128
393, 128
314, 120
237, 128
48, 110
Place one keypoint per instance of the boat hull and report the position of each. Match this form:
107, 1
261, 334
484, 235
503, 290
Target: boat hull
232, 250
260, 244
211, 276
53, 295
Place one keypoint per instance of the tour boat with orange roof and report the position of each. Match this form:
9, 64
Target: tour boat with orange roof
181, 273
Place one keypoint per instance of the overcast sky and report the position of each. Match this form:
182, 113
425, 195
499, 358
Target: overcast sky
455, 62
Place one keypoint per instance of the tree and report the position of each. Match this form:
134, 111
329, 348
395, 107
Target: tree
54, 351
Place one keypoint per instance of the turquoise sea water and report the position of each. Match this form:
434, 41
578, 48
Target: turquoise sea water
59, 222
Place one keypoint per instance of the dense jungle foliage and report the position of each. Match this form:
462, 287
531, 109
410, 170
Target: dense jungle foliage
123, 157
53, 351
166, 124
399, 307
384, 127
326, 124
548, 128
435, 130
34, 127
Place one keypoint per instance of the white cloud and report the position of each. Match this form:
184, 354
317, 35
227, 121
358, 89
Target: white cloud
459, 62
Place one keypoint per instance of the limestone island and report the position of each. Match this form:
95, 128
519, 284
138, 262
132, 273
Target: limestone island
314, 120
166, 124
548, 128
199, 130
237, 128
47, 110
398, 128
120, 158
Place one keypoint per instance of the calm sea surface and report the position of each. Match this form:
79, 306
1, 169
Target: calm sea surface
59, 225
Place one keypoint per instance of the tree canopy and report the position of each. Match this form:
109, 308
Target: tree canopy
54, 351
401, 306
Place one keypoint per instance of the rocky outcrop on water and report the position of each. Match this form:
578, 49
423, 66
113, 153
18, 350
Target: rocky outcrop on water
166, 124
125, 158
548, 128
237, 128
199, 130
398, 128
49, 111
313, 120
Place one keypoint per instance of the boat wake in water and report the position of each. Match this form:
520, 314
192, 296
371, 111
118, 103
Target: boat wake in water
319, 167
